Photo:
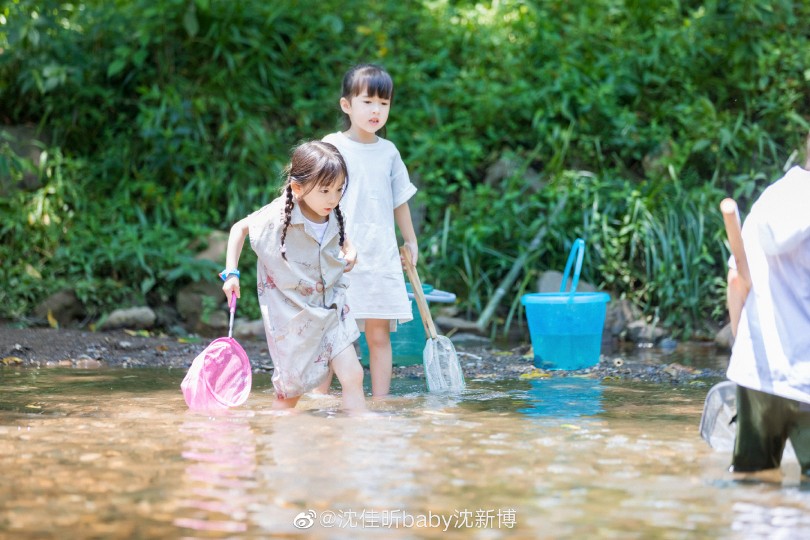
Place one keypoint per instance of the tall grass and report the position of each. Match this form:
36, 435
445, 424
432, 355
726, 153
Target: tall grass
171, 118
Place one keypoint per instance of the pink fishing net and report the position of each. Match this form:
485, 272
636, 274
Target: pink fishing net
220, 376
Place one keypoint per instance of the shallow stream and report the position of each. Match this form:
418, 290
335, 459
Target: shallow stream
114, 453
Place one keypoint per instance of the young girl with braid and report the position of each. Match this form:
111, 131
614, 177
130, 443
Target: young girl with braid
303, 252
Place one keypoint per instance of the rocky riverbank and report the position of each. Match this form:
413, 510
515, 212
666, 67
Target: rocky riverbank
691, 363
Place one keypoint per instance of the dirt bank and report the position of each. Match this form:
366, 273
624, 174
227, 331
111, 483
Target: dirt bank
44, 347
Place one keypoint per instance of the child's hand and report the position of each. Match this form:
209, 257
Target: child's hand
231, 287
736, 294
348, 254
414, 254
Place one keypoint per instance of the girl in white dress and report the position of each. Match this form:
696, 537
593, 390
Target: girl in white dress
375, 204
302, 254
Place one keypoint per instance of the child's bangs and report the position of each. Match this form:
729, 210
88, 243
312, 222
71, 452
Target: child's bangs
375, 83
331, 172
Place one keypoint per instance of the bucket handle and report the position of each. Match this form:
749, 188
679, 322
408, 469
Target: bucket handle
577, 249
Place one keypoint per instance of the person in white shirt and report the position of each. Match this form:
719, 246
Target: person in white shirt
770, 359
376, 203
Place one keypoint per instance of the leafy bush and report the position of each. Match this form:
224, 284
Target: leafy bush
174, 117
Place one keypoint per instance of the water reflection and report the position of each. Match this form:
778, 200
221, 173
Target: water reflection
554, 397
335, 465
563, 397
762, 520
219, 479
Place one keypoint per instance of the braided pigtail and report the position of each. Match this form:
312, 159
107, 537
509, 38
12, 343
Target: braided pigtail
339, 215
312, 164
287, 218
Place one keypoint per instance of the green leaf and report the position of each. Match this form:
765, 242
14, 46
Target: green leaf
116, 67
190, 22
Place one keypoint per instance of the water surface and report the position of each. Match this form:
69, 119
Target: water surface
115, 453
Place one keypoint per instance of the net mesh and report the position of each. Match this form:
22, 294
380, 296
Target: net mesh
442, 369
219, 377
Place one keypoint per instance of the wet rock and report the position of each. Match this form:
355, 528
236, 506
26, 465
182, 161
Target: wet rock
724, 338
450, 323
213, 324
644, 333
246, 329
676, 370
216, 245
96, 351
191, 300
668, 344
17, 351
469, 339
87, 363
137, 318
166, 316
64, 306
620, 312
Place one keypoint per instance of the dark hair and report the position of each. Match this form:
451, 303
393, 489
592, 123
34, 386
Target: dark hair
313, 164
369, 77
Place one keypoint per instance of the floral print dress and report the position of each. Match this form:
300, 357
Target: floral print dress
302, 299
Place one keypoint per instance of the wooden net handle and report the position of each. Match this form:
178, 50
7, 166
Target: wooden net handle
418, 293
731, 219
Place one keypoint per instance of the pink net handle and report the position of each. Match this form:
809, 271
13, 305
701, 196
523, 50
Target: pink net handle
233, 310
240, 398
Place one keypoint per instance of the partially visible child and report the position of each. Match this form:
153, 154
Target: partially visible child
770, 360
376, 202
303, 251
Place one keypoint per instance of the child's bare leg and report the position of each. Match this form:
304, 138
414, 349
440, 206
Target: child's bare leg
323, 388
350, 374
287, 403
378, 337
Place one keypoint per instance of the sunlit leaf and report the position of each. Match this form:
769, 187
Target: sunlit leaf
140, 333
33, 272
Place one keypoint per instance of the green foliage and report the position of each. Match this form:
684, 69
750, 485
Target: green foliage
170, 118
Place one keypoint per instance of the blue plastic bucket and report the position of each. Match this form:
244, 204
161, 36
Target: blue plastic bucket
408, 342
566, 327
